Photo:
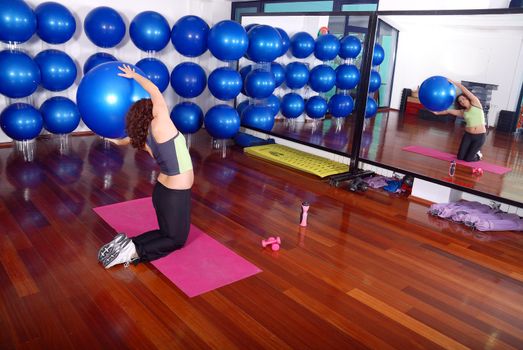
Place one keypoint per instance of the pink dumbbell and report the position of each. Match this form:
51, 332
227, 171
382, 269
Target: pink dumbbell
274, 242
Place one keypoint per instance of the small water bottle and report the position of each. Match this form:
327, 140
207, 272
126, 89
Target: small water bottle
303, 216
452, 169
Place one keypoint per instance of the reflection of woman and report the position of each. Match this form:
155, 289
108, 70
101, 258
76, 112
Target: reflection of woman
471, 110
150, 128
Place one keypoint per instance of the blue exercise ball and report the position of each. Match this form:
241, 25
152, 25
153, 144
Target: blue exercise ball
222, 121
150, 31
258, 117
17, 21
326, 47
156, 71
104, 97
273, 102
370, 108
188, 79
285, 41
241, 106
322, 78
340, 106
378, 55
225, 83
243, 73
316, 107
55, 23
259, 84
19, 76
21, 121
296, 75
302, 45
60, 115
228, 41
374, 81
104, 27
189, 36
437, 93
57, 70
96, 60
265, 44
292, 105
350, 47
187, 117
347, 76
279, 73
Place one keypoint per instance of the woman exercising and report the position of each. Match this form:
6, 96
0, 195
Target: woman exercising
475, 135
149, 127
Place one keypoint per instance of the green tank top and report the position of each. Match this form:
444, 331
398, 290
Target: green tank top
474, 117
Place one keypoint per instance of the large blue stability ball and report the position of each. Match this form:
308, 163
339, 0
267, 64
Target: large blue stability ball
371, 108
258, 117
296, 75
350, 47
241, 106
225, 83
316, 107
326, 47
56, 24
222, 121
273, 102
57, 70
104, 97
17, 21
292, 105
247, 28
150, 31
302, 45
285, 41
228, 41
259, 83
378, 55
19, 76
437, 93
322, 78
60, 115
265, 44
96, 60
188, 79
21, 121
243, 73
374, 81
104, 27
340, 106
156, 71
187, 117
347, 76
279, 73
189, 36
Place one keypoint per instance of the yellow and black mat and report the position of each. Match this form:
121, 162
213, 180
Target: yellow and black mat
296, 159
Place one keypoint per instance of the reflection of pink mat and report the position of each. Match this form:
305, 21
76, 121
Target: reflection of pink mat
202, 265
434, 153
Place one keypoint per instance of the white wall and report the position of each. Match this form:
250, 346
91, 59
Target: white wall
80, 48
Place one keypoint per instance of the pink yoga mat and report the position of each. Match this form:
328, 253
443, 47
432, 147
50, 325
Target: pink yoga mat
434, 153
202, 265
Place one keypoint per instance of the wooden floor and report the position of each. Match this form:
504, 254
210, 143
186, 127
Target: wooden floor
370, 271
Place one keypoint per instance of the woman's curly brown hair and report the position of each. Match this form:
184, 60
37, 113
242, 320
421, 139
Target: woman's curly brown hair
139, 119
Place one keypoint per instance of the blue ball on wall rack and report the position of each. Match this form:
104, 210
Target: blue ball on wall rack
189, 36
350, 47
19, 76
257, 116
341, 106
302, 45
225, 83
371, 108
60, 115
259, 83
374, 81
292, 105
57, 70
228, 41
326, 47
265, 44
296, 75
188, 79
17, 21
279, 73
21, 121
104, 27
187, 117
347, 76
378, 55
273, 102
150, 31
285, 41
56, 24
156, 71
222, 121
316, 107
322, 78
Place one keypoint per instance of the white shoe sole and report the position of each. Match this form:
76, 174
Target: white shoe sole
109, 247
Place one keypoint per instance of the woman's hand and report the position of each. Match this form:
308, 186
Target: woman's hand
128, 72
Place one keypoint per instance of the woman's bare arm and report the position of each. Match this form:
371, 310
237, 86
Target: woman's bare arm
473, 99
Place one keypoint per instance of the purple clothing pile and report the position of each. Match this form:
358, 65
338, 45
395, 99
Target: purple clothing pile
479, 216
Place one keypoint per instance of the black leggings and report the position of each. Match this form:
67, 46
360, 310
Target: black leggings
173, 211
470, 145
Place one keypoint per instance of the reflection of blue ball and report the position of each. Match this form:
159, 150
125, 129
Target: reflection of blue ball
322, 78
316, 107
17, 21
378, 55
302, 45
21, 121
296, 75
188, 79
104, 98
228, 40
273, 102
370, 108
241, 106
187, 117
189, 36
350, 47
60, 115
57, 69
340, 106
279, 73
19, 75
292, 105
265, 44
243, 73
259, 117
375, 81
347, 76
225, 83
222, 122
155, 71
259, 83
285, 41
104, 27
150, 31
97, 59
56, 24
437, 93
326, 47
